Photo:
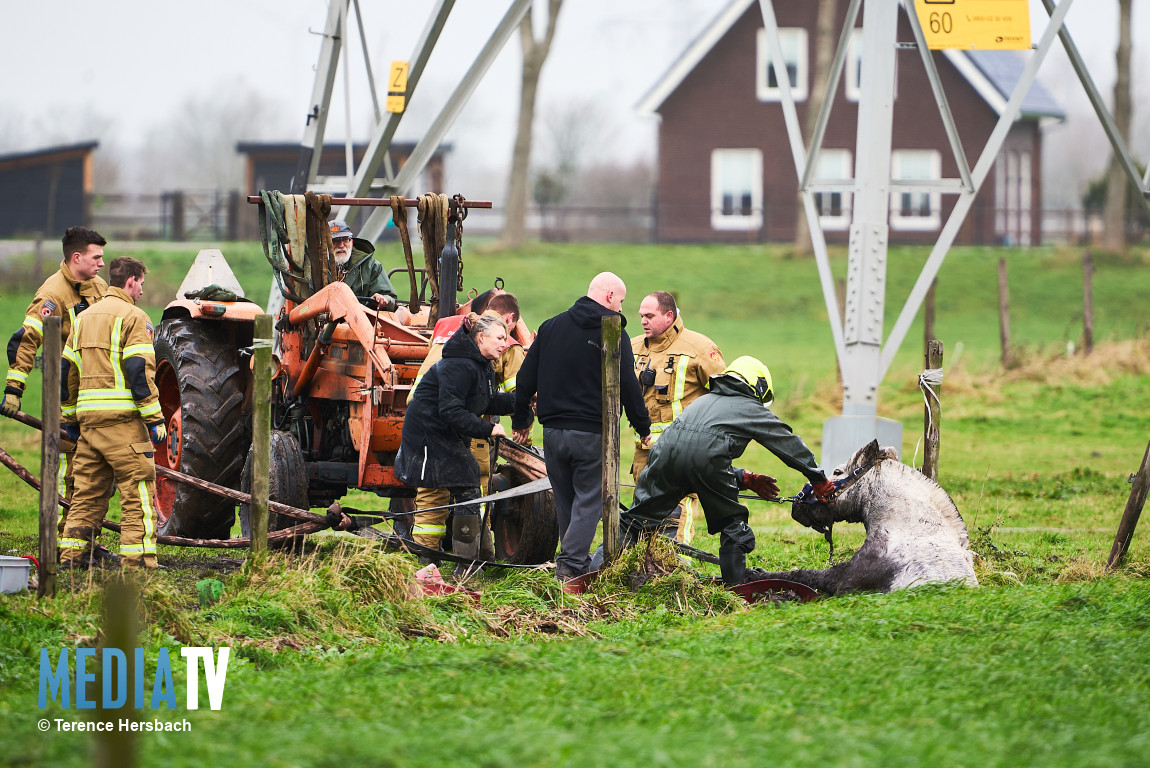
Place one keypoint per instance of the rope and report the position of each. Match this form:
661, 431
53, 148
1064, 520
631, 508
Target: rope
320, 252
433, 212
927, 381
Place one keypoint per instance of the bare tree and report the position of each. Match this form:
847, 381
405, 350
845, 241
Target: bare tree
196, 146
825, 39
1117, 186
534, 56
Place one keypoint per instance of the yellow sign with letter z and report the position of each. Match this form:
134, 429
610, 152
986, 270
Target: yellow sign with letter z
397, 87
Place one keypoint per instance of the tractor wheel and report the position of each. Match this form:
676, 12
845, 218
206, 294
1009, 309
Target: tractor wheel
526, 530
201, 385
287, 482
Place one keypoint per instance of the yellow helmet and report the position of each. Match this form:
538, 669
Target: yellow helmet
754, 373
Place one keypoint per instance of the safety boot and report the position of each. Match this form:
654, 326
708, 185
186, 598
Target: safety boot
735, 541
94, 555
486, 544
465, 535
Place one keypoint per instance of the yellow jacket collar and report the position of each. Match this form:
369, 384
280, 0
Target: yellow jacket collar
120, 293
79, 285
666, 338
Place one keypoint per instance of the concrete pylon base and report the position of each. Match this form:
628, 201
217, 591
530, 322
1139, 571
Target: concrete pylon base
843, 435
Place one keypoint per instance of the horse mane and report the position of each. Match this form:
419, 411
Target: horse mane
938, 497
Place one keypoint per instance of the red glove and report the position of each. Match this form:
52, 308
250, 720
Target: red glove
823, 490
763, 485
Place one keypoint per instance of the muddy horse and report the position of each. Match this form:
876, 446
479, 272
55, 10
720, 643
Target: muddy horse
914, 532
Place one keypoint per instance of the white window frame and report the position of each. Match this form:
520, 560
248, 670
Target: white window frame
852, 68
834, 165
763, 61
914, 223
737, 221
852, 74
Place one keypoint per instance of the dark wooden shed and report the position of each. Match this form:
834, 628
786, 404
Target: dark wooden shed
272, 165
45, 191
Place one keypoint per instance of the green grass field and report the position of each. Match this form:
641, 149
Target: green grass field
1043, 665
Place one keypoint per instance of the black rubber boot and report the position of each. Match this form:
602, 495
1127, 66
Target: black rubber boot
465, 535
486, 544
735, 541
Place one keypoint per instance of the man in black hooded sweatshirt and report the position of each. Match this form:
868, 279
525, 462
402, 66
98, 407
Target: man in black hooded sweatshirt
565, 367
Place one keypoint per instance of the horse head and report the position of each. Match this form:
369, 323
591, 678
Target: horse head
819, 516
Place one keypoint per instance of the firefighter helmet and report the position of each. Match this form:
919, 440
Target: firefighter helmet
756, 374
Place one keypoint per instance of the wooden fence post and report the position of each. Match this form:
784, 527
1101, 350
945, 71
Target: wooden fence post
1004, 312
612, 333
115, 747
933, 415
49, 457
1131, 514
1087, 303
261, 433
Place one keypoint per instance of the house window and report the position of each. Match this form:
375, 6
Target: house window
852, 74
737, 189
1012, 203
794, 43
834, 207
915, 209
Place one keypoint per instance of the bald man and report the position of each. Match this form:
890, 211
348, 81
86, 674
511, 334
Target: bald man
565, 367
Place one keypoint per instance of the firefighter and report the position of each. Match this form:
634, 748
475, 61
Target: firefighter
67, 293
111, 369
430, 527
673, 365
694, 454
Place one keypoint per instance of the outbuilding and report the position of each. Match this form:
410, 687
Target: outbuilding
43, 192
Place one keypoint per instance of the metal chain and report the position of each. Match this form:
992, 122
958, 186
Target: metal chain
460, 215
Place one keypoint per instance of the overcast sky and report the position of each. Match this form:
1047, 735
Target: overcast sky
121, 70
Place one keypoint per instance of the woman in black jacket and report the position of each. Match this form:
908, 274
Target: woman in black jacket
444, 415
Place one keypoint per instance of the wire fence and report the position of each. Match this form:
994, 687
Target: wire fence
215, 215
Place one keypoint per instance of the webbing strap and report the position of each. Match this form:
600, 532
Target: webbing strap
272, 238
399, 217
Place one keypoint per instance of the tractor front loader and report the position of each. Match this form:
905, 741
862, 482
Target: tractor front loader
343, 374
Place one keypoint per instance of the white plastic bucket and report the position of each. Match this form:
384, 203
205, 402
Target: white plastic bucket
14, 573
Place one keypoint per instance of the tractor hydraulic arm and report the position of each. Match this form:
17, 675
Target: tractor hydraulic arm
338, 301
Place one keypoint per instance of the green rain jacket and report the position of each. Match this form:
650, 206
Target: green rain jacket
366, 276
718, 426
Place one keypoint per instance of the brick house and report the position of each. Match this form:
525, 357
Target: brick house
725, 166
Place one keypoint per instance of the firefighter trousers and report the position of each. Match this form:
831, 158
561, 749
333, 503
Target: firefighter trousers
430, 527
123, 452
687, 505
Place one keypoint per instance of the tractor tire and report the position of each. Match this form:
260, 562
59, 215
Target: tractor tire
526, 529
287, 482
201, 386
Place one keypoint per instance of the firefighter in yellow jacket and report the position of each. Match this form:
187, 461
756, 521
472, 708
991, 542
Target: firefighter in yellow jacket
67, 293
430, 527
674, 366
117, 420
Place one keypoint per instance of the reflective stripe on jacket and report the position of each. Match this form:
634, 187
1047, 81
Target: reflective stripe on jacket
104, 385
61, 294
683, 362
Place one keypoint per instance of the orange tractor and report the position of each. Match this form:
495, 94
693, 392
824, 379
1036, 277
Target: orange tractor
342, 375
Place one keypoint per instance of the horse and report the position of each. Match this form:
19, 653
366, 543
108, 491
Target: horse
914, 532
